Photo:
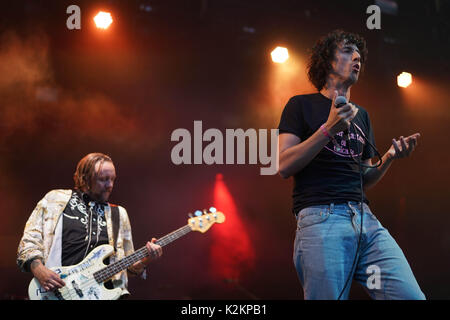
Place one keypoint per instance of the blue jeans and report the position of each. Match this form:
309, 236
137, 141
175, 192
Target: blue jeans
326, 241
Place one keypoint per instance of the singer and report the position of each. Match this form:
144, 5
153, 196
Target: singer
323, 146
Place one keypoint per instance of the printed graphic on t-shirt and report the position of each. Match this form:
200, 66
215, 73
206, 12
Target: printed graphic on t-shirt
346, 148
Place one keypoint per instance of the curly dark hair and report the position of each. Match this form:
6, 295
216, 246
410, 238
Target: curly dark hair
323, 53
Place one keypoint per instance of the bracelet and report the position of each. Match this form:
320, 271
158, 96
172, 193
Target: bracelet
327, 134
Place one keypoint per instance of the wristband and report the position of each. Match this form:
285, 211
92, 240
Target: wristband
327, 134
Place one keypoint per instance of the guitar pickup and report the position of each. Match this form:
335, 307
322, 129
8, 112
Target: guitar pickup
58, 294
77, 289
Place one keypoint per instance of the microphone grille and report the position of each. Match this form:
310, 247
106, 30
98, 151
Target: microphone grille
340, 101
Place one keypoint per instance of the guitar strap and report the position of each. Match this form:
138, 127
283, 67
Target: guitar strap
115, 218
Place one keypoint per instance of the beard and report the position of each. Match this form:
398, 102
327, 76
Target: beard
100, 196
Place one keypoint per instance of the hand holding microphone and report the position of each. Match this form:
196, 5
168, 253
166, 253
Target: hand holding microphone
341, 113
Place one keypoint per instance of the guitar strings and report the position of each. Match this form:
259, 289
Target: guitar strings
111, 270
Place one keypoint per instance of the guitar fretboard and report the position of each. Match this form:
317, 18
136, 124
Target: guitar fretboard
114, 268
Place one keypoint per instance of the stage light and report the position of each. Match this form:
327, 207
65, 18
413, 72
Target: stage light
280, 55
228, 260
103, 20
404, 79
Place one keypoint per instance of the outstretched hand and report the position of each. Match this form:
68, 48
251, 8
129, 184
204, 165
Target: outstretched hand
403, 147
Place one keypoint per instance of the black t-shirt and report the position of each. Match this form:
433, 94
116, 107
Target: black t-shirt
84, 228
332, 176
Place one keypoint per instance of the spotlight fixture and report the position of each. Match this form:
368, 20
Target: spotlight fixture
280, 55
404, 79
103, 20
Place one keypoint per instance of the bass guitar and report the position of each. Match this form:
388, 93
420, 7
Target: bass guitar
86, 280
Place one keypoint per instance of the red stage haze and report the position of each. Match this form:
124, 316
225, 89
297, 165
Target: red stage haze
231, 250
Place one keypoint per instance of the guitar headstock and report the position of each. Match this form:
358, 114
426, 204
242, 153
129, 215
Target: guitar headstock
203, 220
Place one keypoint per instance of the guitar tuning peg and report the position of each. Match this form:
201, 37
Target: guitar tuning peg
204, 211
212, 210
198, 213
190, 215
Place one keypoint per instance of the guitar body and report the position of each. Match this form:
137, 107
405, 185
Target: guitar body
79, 279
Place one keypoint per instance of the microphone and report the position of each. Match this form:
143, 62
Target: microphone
340, 102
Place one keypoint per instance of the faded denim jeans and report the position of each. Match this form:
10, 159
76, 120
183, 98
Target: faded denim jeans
325, 245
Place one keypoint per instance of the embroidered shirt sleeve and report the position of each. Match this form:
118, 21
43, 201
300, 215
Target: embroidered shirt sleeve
32, 245
37, 234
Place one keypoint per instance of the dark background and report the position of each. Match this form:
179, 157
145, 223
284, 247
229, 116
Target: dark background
123, 91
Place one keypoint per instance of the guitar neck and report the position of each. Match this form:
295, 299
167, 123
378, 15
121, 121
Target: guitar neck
114, 268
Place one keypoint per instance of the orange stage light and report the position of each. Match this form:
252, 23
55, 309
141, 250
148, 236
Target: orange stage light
404, 79
103, 20
280, 55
